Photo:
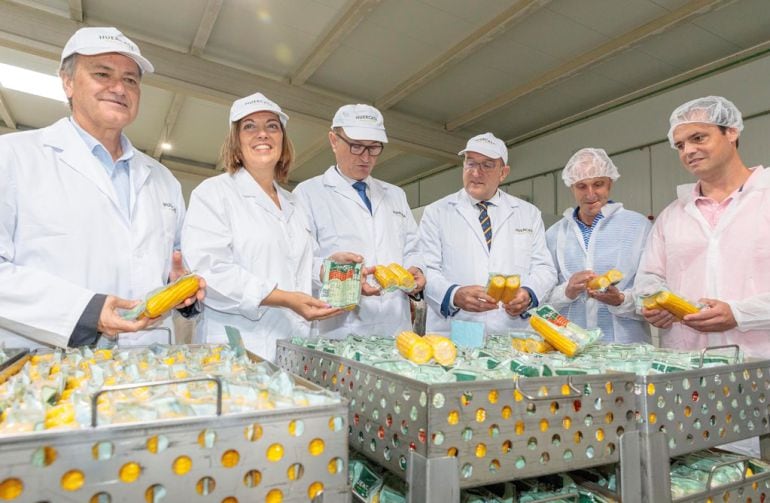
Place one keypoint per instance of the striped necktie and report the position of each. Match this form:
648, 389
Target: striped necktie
486, 223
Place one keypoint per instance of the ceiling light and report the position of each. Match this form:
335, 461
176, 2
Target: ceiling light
165, 146
30, 82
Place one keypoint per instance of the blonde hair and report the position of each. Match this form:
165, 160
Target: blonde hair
230, 153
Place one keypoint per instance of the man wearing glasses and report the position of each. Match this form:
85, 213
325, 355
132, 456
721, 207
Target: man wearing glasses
481, 230
348, 210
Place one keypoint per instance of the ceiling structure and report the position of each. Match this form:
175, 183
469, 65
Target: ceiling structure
439, 70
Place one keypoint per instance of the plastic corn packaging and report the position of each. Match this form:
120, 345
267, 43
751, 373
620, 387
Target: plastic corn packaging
394, 277
603, 282
561, 333
414, 348
530, 344
162, 300
444, 350
341, 284
502, 287
674, 304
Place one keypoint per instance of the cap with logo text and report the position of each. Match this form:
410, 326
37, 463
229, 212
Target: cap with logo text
257, 102
489, 145
361, 122
103, 40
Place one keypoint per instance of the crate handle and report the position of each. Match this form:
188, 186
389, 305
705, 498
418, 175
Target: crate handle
531, 398
122, 387
741, 459
153, 329
711, 348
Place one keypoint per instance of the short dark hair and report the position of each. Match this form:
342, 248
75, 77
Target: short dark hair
724, 131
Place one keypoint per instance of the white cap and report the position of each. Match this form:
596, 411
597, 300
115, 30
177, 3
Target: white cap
257, 102
489, 145
361, 122
714, 110
92, 41
589, 163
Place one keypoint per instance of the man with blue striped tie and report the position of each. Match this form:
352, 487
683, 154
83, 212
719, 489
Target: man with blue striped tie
481, 230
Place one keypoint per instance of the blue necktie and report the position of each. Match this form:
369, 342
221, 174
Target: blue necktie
361, 189
486, 223
121, 181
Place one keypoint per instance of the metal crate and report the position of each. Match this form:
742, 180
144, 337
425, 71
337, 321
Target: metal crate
682, 412
750, 488
286, 455
441, 437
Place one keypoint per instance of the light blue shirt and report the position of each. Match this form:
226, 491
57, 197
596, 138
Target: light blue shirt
118, 171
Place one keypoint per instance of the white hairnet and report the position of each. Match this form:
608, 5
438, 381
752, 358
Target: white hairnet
589, 163
709, 110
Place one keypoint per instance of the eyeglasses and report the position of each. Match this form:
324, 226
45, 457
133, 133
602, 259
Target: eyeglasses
358, 149
484, 166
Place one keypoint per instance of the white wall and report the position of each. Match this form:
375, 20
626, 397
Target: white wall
635, 137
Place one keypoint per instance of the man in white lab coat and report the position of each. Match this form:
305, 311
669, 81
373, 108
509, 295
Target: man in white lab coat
87, 222
477, 231
350, 211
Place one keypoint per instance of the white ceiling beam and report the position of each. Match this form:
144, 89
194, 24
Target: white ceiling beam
206, 26
354, 13
467, 46
168, 124
40, 33
76, 10
585, 60
5, 112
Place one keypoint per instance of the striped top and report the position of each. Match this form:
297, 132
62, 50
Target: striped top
586, 230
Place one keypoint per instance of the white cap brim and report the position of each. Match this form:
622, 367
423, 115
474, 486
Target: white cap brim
143, 63
240, 115
489, 152
365, 133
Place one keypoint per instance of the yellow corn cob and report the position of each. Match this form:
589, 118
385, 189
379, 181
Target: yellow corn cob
385, 277
170, 296
496, 287
650, 302
614, 276
444, 350
675, 304
519, 345
412, 347
512, 284
599, 283
536, 346
405, 278
549, 332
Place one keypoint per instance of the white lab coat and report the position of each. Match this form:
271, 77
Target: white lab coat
245, 247
617, 242
63, 237
340, 221
456, 252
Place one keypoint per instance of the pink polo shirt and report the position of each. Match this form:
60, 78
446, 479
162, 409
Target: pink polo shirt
712, 209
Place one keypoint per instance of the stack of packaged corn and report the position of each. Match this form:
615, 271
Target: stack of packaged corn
53, 390
434, 359
703, 471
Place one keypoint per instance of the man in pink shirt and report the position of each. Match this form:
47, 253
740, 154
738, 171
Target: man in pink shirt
712, 244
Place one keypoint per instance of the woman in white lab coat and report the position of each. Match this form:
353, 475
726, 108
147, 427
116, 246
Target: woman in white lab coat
249, 238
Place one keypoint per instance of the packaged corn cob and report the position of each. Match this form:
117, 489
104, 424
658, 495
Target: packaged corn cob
503, 287
561, 333
341, 285
674, 304
603, 282
162, 300
394, 277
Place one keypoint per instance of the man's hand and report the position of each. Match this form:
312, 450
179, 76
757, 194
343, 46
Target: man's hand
177, 271
611, 296
110, 322
519, 303
578, 283
715, 317
659, 317
474, 299
419, 280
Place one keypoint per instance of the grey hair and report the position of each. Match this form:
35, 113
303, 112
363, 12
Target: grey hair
68, 68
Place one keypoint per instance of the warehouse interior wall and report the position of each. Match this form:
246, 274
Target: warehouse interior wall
635, 137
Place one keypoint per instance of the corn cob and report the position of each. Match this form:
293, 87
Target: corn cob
170, 296
550, 333
675, 304
444, 350
405, 278
536, 346
496, 287
412, 347
512, 284
599, 283
650, 302
385, 277
614, 276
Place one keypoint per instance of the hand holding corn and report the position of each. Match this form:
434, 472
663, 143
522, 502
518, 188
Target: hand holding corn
177, 271
474, 299
717, 316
